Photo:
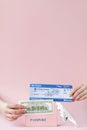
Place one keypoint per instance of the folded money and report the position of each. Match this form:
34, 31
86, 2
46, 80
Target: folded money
34, 107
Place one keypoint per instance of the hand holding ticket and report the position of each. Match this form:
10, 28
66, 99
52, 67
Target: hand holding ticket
53, 92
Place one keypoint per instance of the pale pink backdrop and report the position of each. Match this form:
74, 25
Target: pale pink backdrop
43, 41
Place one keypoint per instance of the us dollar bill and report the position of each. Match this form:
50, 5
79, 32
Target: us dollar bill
34, 107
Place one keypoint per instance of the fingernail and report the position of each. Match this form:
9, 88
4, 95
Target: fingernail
75, 99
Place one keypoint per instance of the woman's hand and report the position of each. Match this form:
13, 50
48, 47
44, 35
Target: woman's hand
11, 111
79, 93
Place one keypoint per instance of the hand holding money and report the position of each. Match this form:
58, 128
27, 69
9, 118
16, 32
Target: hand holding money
11, 111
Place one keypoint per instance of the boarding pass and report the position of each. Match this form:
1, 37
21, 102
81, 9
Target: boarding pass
55, 92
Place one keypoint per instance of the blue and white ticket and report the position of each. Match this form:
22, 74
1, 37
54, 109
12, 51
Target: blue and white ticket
53, 92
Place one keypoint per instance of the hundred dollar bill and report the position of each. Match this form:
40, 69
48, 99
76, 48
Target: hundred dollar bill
34, 107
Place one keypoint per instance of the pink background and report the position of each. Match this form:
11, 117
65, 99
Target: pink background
43, 41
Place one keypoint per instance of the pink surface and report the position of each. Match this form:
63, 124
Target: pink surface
43, 41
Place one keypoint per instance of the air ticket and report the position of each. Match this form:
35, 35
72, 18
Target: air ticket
55, 92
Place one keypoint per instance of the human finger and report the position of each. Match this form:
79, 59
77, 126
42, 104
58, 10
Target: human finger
12, 117
15, 106
79, 96
15, 111
78, 93
82, 98
75, 89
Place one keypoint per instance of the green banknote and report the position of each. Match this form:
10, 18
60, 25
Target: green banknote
34, 107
